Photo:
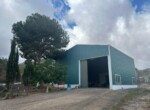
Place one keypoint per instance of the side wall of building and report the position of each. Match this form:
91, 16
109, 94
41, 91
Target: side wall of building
123, 66
80, 52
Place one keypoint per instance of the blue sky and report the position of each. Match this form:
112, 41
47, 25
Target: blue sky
139, 4
62, 7
124, 24
61, 10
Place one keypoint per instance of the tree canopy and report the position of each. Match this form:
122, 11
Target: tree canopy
49, 71
45, 72
40, 37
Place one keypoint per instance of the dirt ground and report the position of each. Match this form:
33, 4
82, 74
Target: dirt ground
140, 103
78, 99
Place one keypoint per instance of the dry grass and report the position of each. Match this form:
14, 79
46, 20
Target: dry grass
148, 103
131, 94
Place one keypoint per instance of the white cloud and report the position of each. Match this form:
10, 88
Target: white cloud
113, 22
12, 11
77, 36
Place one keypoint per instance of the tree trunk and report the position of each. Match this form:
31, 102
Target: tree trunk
47, 88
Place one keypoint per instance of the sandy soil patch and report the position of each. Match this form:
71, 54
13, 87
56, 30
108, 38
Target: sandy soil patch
79, 99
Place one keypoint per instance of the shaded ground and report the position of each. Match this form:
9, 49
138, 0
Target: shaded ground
79, 99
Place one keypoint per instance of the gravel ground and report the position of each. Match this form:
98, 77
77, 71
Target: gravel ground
78, 99
140, 103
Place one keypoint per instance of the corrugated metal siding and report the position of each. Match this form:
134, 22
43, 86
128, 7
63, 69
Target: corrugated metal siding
122, 65
80, 52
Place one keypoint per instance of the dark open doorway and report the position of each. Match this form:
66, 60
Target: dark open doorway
98, 72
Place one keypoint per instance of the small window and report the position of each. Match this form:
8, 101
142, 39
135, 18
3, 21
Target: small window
117, 79
133, 80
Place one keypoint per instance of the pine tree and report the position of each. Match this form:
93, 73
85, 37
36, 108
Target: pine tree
40, 37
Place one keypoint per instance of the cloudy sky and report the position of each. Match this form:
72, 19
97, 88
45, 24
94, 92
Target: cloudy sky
124, 24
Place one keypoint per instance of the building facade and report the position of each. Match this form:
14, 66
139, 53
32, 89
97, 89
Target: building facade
99, 66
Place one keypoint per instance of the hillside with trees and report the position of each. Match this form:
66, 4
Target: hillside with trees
3, 66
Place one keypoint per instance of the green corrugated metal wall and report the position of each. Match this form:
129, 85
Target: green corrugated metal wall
121, 63
80, 52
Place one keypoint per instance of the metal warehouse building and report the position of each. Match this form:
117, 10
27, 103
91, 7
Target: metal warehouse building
99, 66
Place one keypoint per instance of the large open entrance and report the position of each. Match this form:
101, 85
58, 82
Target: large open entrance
94, 72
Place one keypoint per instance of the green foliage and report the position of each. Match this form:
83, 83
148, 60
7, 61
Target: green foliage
13, 74
28, 72
60, 73
10, 64
40, 37
3, 67
49, 71
17, 75
21, 68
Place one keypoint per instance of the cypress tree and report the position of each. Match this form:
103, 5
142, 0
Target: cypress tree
17, 74
12, 73
28, 72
